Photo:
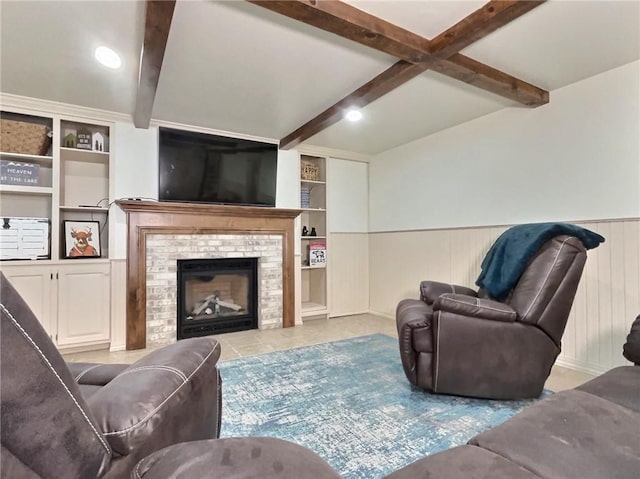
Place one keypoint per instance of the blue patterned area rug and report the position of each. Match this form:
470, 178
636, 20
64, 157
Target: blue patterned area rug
350, 402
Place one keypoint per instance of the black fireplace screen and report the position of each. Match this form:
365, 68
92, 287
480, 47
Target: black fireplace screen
216, 296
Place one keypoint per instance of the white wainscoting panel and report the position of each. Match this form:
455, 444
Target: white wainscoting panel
118, 305
607, 300
298, 286
349, 273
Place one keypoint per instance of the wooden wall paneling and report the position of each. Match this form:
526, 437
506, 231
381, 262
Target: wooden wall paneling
631, 272
605, 327
606, 302
349, 274
619, 321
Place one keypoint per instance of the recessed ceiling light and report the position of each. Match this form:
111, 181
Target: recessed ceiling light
354, 115
108, 57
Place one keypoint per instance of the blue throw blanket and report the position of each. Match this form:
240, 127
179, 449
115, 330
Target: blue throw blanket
511, 252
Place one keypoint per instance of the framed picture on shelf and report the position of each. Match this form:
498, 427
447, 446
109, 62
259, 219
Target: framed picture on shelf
81, 239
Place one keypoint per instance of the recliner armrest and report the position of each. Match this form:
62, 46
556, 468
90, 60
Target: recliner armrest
159, 389
431, 290
475, 307
631, 349
95, 374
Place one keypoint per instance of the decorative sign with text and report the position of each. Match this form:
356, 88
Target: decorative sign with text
317, 253
14, 173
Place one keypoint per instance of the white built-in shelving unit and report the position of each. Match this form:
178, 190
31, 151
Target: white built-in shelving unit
313, 204
70, 296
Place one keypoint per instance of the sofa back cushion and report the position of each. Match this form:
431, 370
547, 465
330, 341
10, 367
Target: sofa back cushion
46, 425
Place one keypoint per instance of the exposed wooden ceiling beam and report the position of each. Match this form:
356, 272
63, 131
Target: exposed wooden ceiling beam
440, 54
485, 20
159, 14
483, 76
399, 73
353, 24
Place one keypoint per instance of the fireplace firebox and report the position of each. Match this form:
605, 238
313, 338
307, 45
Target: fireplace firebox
217, 295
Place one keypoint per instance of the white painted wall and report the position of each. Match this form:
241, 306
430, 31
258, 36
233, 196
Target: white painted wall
288, 182
348, 243
348, 193
577, 158
135, 164
135, 175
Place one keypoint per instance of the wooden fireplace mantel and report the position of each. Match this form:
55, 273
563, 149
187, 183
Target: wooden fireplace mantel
150, 217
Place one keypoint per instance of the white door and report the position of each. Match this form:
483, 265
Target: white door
35, 285
83, 303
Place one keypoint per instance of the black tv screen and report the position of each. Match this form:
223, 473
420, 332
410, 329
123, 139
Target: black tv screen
196, 167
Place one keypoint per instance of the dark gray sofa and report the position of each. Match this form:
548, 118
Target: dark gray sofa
590, 432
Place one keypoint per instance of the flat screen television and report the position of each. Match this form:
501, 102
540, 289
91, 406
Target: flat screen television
200, 168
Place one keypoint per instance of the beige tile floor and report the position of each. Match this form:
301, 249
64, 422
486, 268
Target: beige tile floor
250, 343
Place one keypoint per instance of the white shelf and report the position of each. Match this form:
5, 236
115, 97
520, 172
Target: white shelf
311, 309
88, 156
27, 190
32, 158
83, 260
93, 209
314, 287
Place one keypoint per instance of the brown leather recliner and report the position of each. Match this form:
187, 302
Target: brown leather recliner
99, 420
454, 340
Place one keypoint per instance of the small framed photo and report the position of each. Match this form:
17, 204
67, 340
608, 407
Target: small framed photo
81, 239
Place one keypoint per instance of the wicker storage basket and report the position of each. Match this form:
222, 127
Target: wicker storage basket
23, 137
309, 171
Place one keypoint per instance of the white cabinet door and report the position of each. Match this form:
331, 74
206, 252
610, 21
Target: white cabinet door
83, 303
35, 285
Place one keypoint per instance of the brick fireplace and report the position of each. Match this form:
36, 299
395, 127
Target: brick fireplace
161, 233
164, 250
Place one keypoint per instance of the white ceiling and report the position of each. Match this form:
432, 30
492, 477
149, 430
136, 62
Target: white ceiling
237, 67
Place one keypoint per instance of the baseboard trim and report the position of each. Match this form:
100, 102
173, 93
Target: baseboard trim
580, 366
352, 313
384, 315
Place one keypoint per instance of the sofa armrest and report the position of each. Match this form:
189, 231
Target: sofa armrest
631, 349
161, 397
431, 290
475, 307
